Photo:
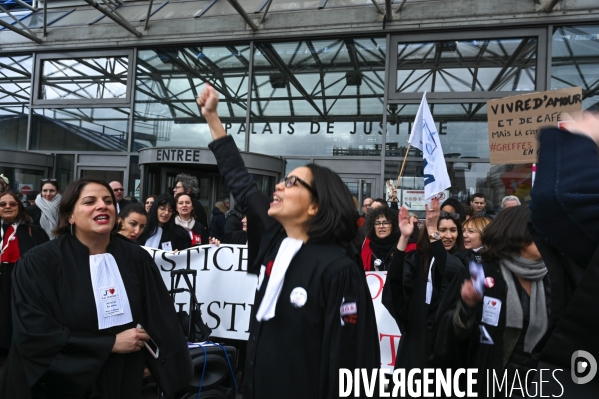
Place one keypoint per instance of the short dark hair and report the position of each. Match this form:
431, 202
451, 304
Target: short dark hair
69, 199
21, 214
507, 234
373, 215
179, 195
335, 220
129, 209
477, 195
53, 182
152, 225
189, 183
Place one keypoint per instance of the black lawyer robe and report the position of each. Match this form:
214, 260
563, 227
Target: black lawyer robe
28, 236
404, 295
58, 350
298, 353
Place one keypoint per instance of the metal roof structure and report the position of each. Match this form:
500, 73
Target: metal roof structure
126, 13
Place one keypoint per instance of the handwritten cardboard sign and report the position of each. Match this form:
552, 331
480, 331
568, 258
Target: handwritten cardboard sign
515, 122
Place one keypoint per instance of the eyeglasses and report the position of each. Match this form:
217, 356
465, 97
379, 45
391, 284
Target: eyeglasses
452, 215
382, 223
290, 181
10, 204
118, 189
48, 180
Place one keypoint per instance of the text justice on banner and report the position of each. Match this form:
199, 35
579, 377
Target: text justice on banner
225, 292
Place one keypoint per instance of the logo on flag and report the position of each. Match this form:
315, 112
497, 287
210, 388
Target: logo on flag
424, 136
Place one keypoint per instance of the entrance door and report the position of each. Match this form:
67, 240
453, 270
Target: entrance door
205, 196
361, 187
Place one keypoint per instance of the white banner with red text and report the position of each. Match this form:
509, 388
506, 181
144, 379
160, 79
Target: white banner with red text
225, 292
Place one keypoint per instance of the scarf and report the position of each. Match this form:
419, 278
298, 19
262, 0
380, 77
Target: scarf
49, 219
382, 247
186, 224
529, 270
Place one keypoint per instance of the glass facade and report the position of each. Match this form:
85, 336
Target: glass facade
84, 78
168, 82
15, 93
467, 65
318, 97
328, 98
79, 129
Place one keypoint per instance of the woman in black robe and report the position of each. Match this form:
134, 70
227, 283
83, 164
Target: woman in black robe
415, 282
19, 235
187, 219
161, 232
67, 342
322, 318
381, 240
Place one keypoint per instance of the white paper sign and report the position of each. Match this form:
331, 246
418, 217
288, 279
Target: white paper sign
225, 292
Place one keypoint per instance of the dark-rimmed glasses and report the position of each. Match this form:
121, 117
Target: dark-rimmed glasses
290, 181
384, 223
452, 215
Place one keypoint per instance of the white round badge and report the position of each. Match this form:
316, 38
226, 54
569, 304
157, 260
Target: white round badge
298, 297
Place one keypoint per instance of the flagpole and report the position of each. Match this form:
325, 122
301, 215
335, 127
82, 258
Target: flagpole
403, 165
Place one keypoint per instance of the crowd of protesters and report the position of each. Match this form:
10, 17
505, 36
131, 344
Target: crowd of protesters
511, 292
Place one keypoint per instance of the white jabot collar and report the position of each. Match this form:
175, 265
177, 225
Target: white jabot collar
112, 302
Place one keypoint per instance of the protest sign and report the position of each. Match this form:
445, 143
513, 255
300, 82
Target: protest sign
515, 122
225, 292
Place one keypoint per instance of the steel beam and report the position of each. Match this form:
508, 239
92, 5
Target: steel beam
549, 7
265, 11
23, 4
20, 32
23, 32
235, 4
389, 10
118, 20
398, 9
45, 18
149, 14
379, 9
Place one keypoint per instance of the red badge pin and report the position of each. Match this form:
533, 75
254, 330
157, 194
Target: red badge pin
489, 282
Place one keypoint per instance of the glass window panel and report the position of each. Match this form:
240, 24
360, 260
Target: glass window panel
467, 65
85, 78
80, 129
168, 82
323, 96
36, 19
20, 15
575, 61
463, 129
15, 92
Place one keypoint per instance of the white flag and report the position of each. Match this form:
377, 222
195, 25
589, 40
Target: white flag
424, 136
